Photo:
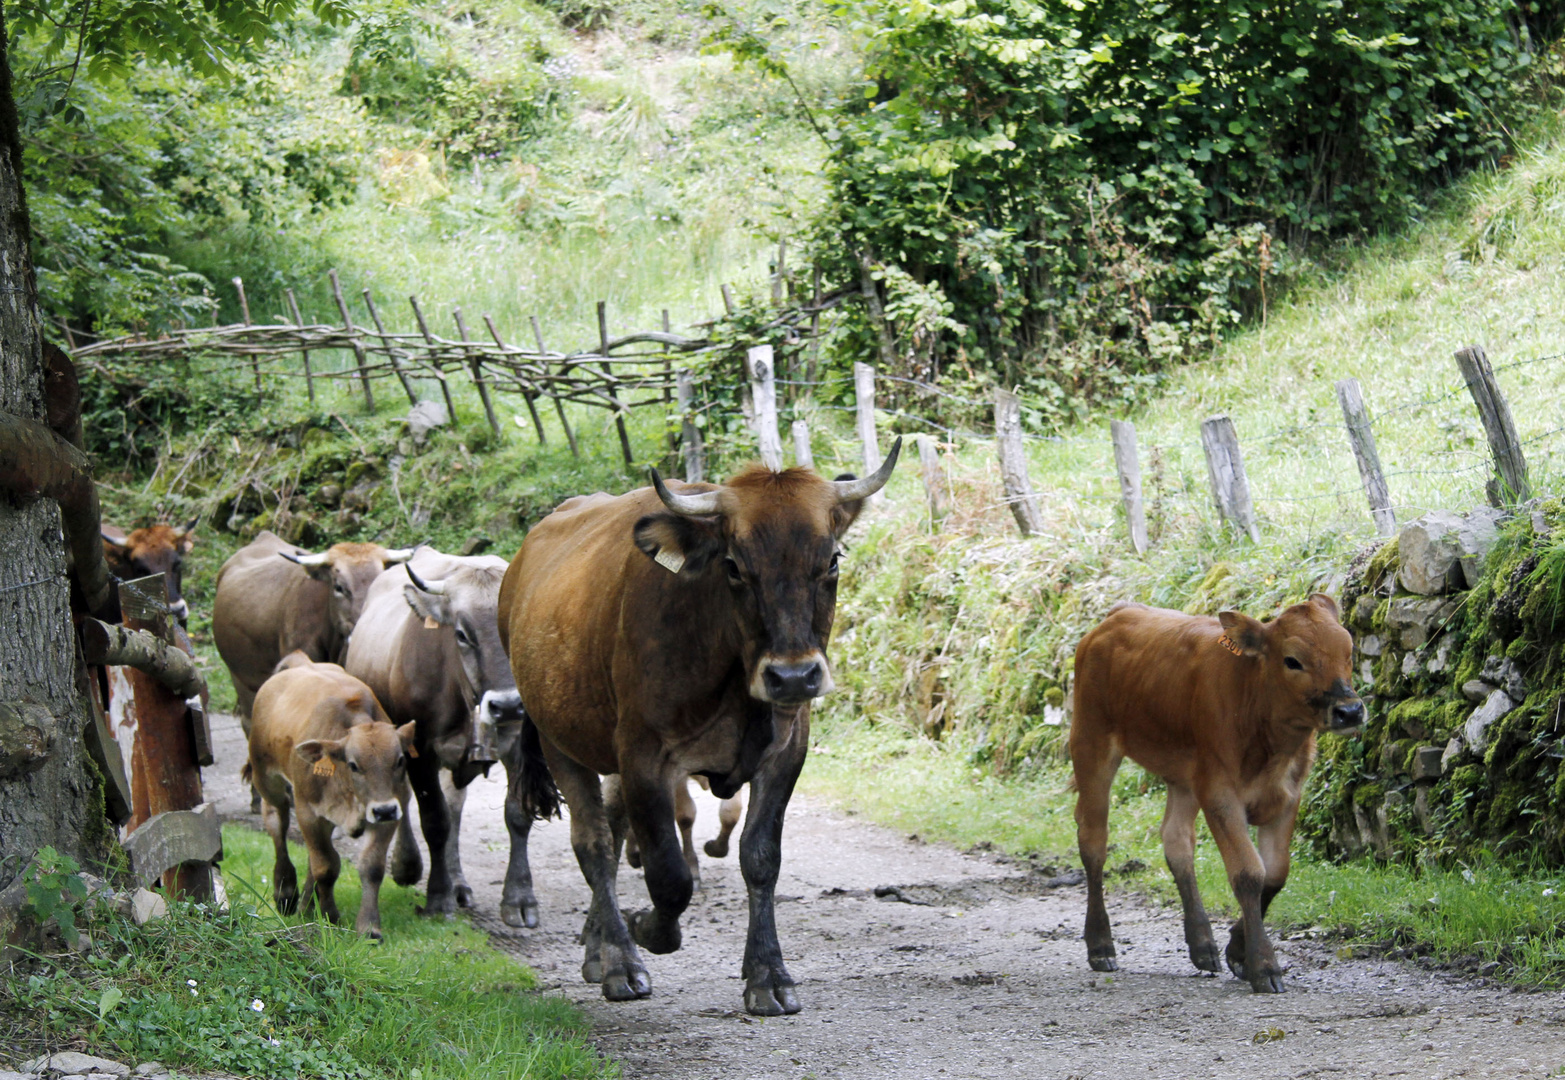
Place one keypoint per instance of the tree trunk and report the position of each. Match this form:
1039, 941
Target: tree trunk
50, 794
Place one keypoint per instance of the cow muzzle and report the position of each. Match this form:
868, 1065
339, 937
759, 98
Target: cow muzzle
1345, 716
180, 610
502, 707
383, 812
792, 680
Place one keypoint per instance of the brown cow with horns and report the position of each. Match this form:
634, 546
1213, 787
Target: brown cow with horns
1226, 711
665, 633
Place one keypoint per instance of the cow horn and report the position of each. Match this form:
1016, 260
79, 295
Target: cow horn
401, 555
704, 504
434, 588
307, 560
188, 529
852, 490
118, 541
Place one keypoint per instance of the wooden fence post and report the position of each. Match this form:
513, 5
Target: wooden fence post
429, 339
803, 454
559, 406
478, 373
619, 410
358, 347
782, 272
1511, 486
813, 370
864, 392
877, 314
244, 310
763, 387
1128, 464
728, 300
309, 377
1225, 469
527, 395
690, 434
668, 392
1013, 463
1362, 438
934, 481
394, 354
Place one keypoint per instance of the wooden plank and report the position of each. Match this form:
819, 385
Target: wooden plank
1225, 470
1361, 437
395, 354
934, 481
358, 346
309, 377
1511, 485
1128, 465
619, 410
690, 434
864, 395
173, 839
763, 388
803, 454
559, 406
1013, 463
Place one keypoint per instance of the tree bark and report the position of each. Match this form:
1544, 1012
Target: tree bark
60, 803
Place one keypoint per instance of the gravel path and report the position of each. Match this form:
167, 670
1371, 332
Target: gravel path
982, 975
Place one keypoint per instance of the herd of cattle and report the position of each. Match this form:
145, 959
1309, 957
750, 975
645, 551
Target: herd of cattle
679, 632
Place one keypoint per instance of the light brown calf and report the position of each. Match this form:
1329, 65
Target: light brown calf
321, 744
1226, 711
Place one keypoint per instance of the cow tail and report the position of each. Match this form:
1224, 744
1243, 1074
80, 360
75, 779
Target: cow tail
245, 773
532, 784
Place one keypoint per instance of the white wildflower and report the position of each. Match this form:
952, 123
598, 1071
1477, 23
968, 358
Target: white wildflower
258, 1005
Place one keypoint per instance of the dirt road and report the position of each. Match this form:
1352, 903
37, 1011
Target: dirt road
983, 975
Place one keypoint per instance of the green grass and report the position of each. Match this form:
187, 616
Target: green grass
434, 1000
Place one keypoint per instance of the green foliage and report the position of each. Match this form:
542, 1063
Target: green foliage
1101, 189
54, 888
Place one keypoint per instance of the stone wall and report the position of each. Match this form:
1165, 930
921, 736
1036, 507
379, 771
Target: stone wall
1458, 626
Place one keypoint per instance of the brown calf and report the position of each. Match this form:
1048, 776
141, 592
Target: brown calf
1225, 710
321, 744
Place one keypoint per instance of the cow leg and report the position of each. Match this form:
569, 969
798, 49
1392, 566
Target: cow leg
1249, 953
518, 904
424, 776
728, 815
1179, 850
1272, 842
611, 957
285, 880
649, 805
769, 989
245, 697
685, 818
456, 800
372, 871
614, 801
1095, 767
407, 862
321, 882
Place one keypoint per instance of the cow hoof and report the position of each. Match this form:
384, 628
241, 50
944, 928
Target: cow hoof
287, 903
715, 850
406, 871
592, 971
1103, 963
520, 915
438, 904
770, 1001
464, 896
1205, 957
627, 985
656, 935
1267, 984
374, 934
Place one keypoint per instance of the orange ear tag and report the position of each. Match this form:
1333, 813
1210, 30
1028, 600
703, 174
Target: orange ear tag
324, 767
413, 751
1228, 643
431, 623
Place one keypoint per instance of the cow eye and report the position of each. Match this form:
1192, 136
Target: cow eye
354, 765
836, 560
342, 590
462, 638
1292, 664
733, 570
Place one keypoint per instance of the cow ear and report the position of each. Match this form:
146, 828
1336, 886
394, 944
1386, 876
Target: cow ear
1247, 633
187, 540
431, 607
843, 515
679, 544
406, 733
1326, 604
319, 750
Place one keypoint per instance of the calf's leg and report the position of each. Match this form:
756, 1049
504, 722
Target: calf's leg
685, 818
728, 815
456, 800
1179, 850
1095, 763
372, 871
1272, 842
285, 880
1249, 953
769, 989
611, 956
321, 882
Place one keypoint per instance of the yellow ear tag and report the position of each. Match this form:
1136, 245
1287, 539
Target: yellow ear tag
672, 561
431, 623
412, 751
1228, 643
324, 767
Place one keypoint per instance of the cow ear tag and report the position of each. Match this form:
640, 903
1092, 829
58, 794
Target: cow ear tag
431, 623
324, 766
1228, 643
672, 561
